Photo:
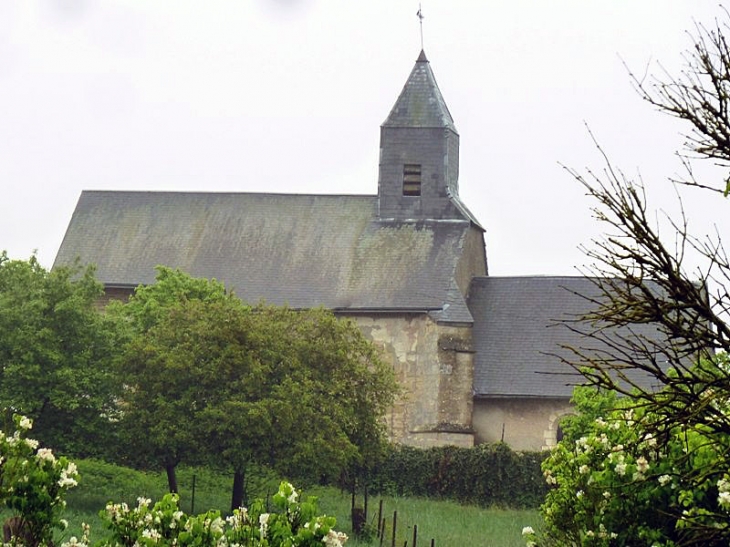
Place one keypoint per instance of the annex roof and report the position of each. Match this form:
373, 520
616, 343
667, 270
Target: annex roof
300, 250
518, 333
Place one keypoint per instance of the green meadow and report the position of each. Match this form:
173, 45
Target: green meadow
448, 524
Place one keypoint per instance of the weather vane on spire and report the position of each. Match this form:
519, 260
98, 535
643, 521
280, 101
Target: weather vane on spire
420, 21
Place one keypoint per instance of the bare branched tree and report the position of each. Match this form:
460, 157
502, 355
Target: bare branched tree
658, 333
700, 95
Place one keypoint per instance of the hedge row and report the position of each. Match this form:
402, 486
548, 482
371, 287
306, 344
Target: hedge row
486, 475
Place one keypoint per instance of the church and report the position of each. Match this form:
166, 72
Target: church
473, 353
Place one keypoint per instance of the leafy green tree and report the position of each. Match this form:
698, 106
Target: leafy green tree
167, 380
300, 391
317, 395
56, 351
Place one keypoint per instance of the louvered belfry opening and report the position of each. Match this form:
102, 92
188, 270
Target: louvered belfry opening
412, 179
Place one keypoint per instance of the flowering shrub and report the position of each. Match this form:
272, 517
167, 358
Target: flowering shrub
33, 483
293, 524
619, 484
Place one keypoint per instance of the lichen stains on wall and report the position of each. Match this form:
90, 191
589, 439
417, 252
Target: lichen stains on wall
456, 366
435, 373
385, 257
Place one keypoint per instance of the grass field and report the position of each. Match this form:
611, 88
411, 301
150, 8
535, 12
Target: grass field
449, 524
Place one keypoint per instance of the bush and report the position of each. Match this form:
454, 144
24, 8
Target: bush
621, 483
294, 524
486, 475
33, 485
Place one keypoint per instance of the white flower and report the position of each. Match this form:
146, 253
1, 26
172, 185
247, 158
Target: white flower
64, 523
143, 502
583, 469
621, 469
642, 465
579, 494
723, 499
25, 423
152, 534
45, 454
68, 475
263, 524
650, 439
31, 443
664, 479
217, 526
66, 481
334, 539
527, 530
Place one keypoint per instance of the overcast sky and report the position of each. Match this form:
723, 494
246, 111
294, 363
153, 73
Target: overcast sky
287, 96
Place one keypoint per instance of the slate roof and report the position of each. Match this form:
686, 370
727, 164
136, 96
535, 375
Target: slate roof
420, 103
516, 327
300, 250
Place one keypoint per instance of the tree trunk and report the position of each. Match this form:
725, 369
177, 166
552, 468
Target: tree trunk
239, 489
171, 478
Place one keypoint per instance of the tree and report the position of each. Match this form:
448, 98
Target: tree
642, 281
165, 379
297, 390
56, 351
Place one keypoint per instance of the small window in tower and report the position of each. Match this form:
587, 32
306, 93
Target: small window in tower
411, 179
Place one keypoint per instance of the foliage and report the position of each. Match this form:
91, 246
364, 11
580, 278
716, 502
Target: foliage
590, 405
33, 483
151, 303
486, 475
295, 523
56, 351
619, 484
210, 377
660, 337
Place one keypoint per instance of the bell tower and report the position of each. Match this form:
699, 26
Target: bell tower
419, 154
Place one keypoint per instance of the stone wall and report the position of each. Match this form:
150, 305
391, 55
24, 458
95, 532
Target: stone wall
473, 260
434, 366
522, 423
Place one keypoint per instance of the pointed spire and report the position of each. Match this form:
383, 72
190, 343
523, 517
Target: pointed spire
420, 104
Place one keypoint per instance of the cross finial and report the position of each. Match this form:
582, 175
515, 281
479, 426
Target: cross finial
420, 21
